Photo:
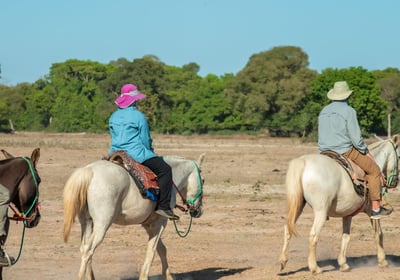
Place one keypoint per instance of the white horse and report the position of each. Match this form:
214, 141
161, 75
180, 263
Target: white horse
321, 182
103, 193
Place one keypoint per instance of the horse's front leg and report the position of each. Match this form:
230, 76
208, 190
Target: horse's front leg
342, 260
162, 252
154, 230
376, 224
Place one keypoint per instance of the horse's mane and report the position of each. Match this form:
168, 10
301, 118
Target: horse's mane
7, 160
376, 145
381, 141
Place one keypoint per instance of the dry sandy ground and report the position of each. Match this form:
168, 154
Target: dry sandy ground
238, 237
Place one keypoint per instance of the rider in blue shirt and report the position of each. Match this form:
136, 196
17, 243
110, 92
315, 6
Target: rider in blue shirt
130, 132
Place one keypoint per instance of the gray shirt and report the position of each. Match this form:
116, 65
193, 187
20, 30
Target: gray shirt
338, 129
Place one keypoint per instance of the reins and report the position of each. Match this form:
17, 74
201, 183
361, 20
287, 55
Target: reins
22, 216
189, 204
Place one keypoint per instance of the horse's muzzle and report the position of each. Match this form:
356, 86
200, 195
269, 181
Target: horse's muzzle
197, 212
33, 220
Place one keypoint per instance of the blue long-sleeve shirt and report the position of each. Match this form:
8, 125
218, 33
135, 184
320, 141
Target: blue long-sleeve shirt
130, 132
338, 129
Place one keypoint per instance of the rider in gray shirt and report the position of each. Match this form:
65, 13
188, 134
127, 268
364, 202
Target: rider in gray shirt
339, 131
338, 128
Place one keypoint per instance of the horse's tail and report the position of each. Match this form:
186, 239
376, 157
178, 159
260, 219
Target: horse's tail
75, 196
294, 189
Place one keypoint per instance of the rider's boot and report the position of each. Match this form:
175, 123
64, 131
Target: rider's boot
5, 259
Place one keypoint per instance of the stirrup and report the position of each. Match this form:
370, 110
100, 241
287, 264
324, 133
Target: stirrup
10, 260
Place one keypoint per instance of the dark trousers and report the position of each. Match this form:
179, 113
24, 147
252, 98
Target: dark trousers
164, 176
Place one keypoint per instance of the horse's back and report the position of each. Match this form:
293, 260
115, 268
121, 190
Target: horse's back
113, 189
327, 184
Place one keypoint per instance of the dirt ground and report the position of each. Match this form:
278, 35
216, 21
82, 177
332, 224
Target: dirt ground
239, 236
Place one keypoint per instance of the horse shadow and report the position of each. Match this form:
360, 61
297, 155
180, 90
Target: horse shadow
353, 262
212, 273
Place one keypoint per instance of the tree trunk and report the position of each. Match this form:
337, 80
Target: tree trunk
12, 130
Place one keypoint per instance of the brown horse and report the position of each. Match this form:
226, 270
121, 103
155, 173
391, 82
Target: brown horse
20, 177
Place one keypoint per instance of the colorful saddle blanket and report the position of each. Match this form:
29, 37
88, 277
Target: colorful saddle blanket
144, 178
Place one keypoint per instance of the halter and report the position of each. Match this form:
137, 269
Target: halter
23, 216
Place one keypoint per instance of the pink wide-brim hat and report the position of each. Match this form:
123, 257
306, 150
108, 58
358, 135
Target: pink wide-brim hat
129, 94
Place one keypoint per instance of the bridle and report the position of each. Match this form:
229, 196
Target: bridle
392, 179
190, 204
28, 215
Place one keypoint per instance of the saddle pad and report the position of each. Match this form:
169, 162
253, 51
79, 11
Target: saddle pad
354, 171
144, 178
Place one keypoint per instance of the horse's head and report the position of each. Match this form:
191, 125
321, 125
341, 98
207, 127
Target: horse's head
393, 177
386, 153
195, 189
25, 195
189, 183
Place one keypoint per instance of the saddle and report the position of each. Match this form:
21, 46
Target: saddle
356, 174
145, 179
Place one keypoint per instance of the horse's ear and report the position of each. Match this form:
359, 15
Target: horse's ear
395, 138
7, 154
35, 156
201, 159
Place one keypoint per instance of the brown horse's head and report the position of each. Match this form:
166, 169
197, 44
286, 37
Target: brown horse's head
21, 178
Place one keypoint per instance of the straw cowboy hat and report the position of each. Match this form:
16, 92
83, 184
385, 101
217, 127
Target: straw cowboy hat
340, 91
129, 94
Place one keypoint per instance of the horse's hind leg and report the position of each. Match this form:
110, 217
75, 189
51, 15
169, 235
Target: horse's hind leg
319, 221
284, 257
342, 260
90, 239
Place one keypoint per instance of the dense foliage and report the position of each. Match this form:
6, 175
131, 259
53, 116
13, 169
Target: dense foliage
274, 92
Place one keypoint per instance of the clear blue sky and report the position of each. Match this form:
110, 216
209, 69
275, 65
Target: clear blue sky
219, 35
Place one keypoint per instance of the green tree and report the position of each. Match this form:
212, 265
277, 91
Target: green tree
74, 87
389, 84
370, 107
12, 107
271, 88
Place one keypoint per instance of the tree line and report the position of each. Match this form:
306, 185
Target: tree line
276, 92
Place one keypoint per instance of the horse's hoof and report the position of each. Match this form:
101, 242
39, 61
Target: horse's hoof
383, 264
283, 264
345, 268
317, 270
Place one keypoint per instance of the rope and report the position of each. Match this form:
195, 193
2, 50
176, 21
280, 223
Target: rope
189, 203
10, 263
186, 233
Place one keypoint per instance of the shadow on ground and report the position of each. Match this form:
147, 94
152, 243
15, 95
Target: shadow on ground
213, 273
353, 262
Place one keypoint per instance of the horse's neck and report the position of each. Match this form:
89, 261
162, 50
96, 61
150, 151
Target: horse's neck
181, 170
382, 154
10, 172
